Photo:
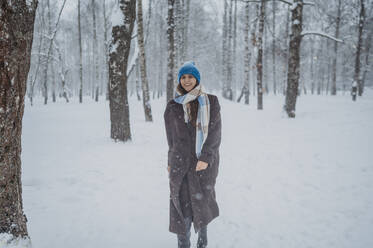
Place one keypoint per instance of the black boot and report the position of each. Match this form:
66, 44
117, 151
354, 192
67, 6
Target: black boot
183, 240
202, 238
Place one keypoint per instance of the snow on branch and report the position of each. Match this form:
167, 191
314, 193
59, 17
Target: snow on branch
320, 34
309, 3
287, 2
292, 3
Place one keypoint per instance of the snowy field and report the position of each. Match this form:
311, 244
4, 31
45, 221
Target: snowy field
291, 183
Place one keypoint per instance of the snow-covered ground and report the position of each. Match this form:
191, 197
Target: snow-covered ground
303, 182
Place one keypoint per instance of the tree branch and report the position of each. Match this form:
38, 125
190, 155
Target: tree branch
284, 1
320, 34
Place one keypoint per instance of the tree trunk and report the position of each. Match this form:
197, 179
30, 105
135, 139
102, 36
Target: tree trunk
274, 47
63, 71
33, 81
45, 81
311, 69
356, 85
224, 48
228, 94
137, 80
80, 57
254, 41
246, 87
328, 71
334, 75
16, 32
233, 64
186, 28
119, 53
95, 49
106, 47
368, 44
294, 58
177, 33
171, 50
259, 63
53, 79
286, 52
142, 60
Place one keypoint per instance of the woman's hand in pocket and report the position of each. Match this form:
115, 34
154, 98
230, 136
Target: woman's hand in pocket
201, 165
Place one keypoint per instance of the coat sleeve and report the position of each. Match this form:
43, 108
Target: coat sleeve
212, 143
167, 123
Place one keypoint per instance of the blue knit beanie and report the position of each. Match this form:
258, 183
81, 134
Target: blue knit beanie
189, 68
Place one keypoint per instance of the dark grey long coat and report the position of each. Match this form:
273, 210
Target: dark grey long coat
183, 160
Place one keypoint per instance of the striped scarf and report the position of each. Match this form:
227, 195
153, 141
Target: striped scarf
203, 115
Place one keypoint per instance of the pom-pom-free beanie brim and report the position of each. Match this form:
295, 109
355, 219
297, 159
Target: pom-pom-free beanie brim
189, 68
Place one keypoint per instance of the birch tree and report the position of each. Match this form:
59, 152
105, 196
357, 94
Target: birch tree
16, 32
119, 52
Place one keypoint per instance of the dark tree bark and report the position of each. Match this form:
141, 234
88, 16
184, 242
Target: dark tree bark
138, 86
259, 63
228, 93
119, 52
294, 59
286, 52
356, 85
95, 48
16, 32
80, 57
142, 58
171, 50
224, 48
246, 87
274, 47
106, 46
334, 75
186, 28
368, 45
311, 68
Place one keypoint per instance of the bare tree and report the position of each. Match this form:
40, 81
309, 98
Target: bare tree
246, 87
357, 85
171, 50
368, 45
40, 10
80, 57
62, 72
225, 49
186, 28
337, 24
119, 53
106, 47
16, 32
274, 46
95, 46
259, 63
142, 58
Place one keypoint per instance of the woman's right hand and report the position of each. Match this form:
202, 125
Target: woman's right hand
168, 169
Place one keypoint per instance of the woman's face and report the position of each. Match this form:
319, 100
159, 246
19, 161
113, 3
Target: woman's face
188, 81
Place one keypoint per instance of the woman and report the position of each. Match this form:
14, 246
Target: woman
193, 128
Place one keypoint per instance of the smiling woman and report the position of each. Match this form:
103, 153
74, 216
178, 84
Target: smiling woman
193, 128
